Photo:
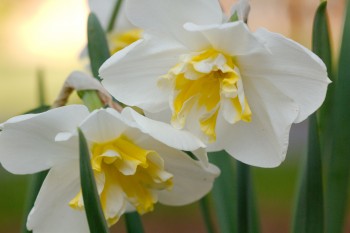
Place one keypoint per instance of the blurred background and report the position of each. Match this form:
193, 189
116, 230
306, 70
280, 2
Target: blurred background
48, 35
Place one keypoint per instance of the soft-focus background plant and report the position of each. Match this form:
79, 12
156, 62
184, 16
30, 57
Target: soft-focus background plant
48, 35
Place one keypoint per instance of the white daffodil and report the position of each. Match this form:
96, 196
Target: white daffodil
131, 157
236, 90
123, 33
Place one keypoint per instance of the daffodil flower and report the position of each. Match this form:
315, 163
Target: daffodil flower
237, 90
124, 32
133, 158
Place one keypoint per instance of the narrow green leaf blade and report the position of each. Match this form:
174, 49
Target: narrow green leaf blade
309, 210
38, 109
339, 165
321, 45
133, 223
114, 16
247, 219
97, 45
309, 214
224, 192
93, 209
98, 54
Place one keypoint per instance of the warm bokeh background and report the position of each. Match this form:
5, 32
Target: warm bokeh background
49, 35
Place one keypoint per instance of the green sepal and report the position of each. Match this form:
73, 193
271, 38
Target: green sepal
97, 45
338, 174
96, 220
133, 223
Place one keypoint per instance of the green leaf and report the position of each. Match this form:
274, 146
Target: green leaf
133, 223
309, 211
40, 109
339, 165
321, 45
98, 54
233, 196
309, 214
41, 87
247, 220
224, 192
97, 45
112, 20
93, 209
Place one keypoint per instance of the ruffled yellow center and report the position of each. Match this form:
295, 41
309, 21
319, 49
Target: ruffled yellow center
118, 41
125, 171
202, 84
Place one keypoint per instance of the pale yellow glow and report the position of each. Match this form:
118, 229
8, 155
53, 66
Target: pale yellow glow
53, 32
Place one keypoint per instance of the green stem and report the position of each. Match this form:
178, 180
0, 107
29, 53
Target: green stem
91, 99
206, 212
114, 15
243, 177
133, 223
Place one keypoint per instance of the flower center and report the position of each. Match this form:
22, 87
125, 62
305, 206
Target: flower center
203, 84
118, 41
125, 172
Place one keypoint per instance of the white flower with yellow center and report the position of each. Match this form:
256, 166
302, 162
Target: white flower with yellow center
124, 32
133, 164
236, 90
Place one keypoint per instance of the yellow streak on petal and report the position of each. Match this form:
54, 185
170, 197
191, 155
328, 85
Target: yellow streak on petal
138, 172
202, 80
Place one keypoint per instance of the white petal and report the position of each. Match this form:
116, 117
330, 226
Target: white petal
51, 212
262, 142
115, 201
293, 69
167, 16
131, 75
230, 38
29, 146
102, 126
192, 180
179, 139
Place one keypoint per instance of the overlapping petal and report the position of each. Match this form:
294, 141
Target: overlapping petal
130, 154
162, 132
190, 176
167, 17
230, 38
293, 69
27, 144
131, 75
279, 81
51, 212
263, 141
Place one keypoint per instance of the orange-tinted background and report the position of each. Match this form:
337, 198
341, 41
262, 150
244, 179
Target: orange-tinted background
49, 34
